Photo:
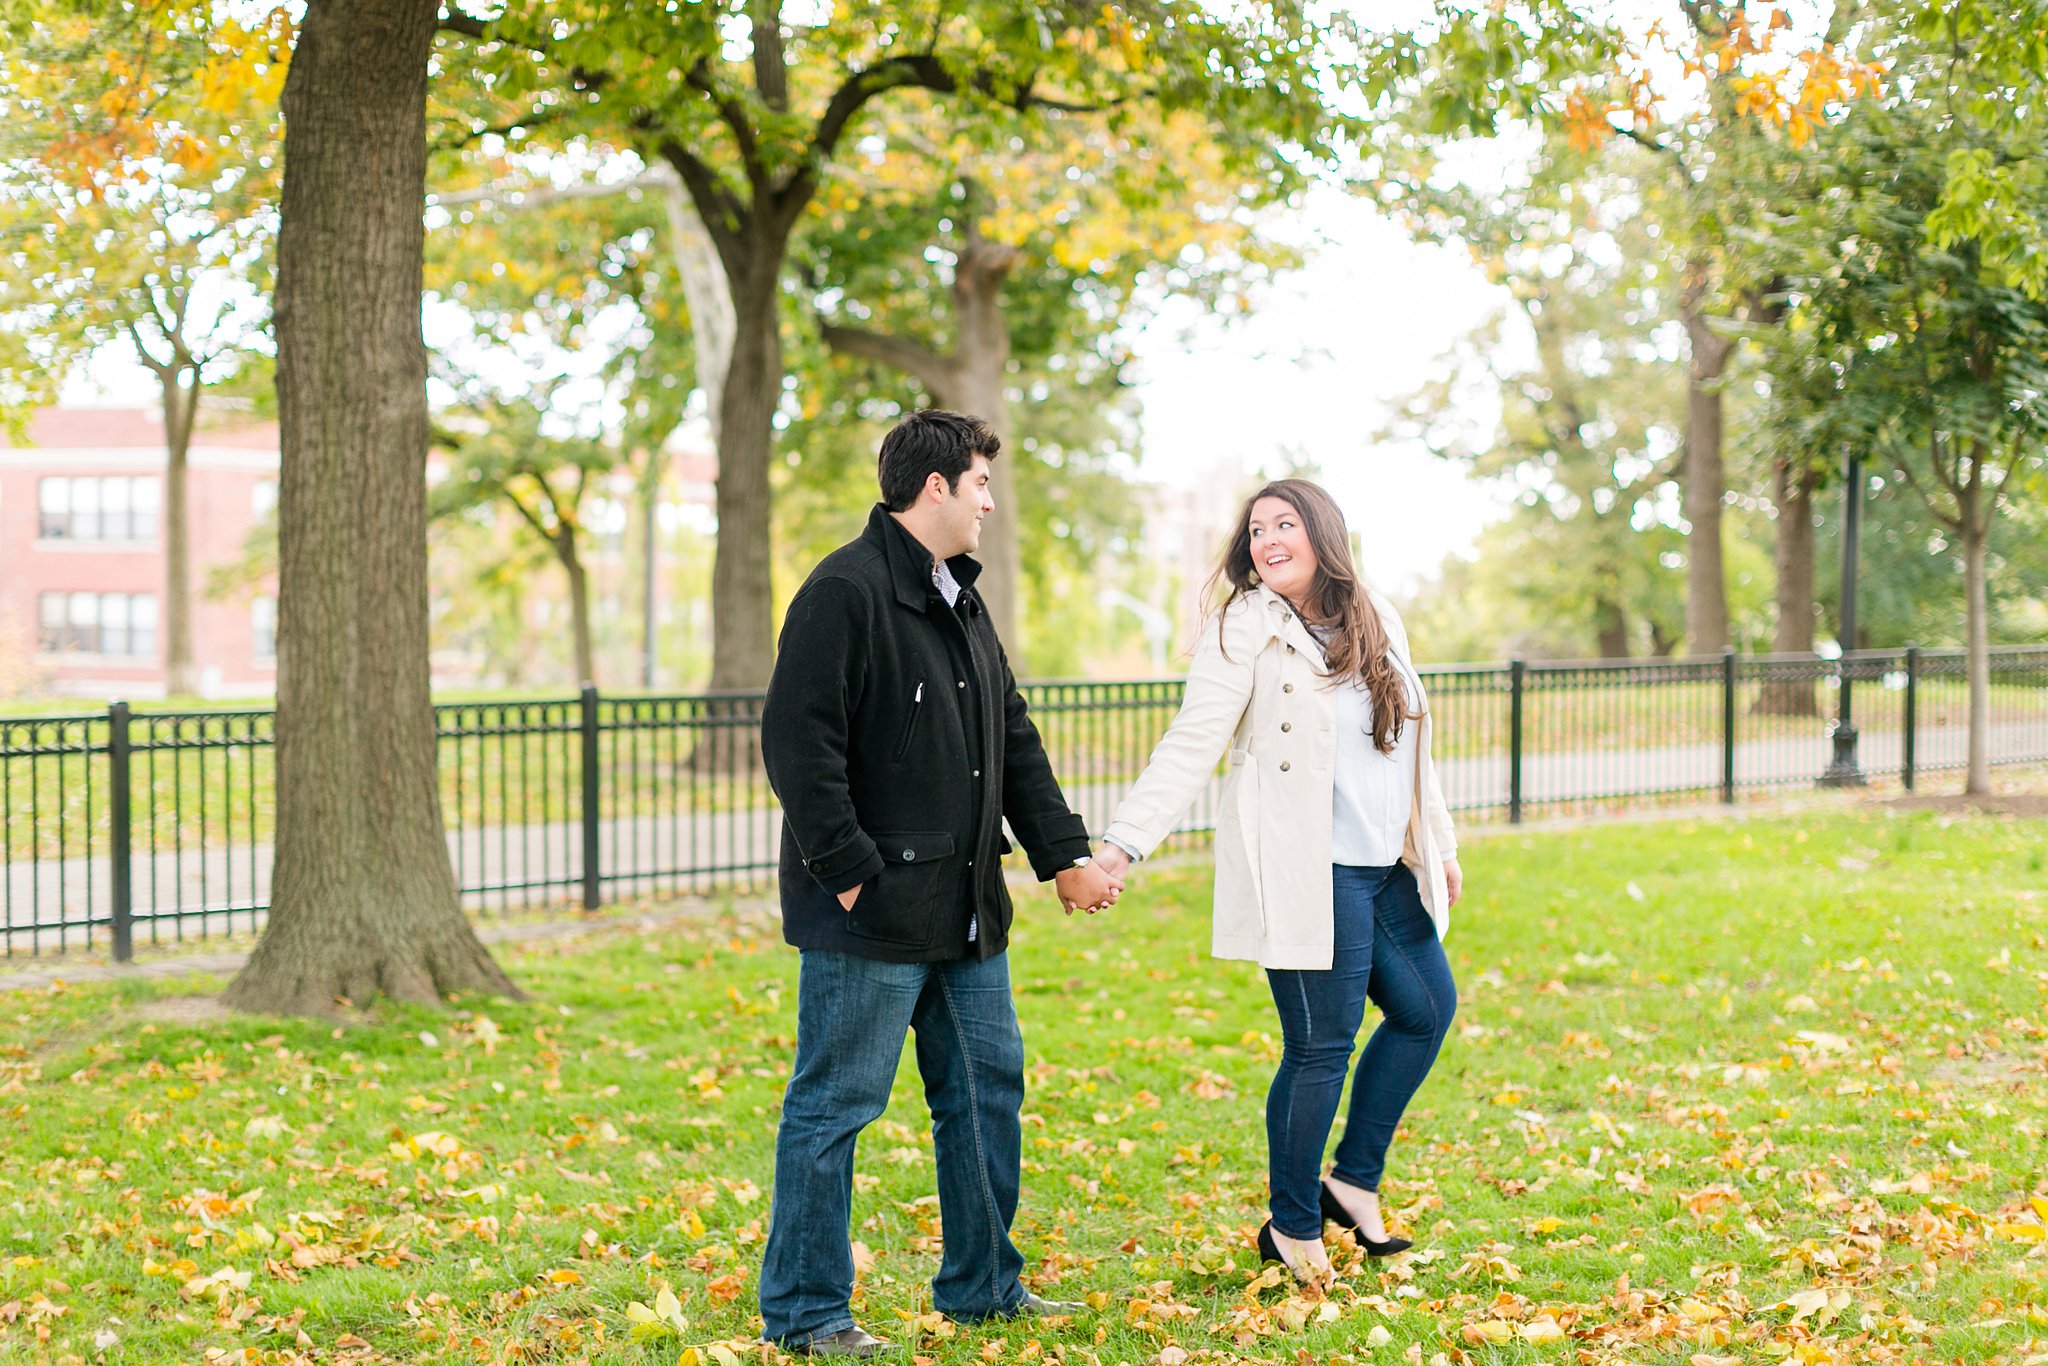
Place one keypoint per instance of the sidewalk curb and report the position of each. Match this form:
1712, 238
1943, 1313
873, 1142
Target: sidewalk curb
525, 932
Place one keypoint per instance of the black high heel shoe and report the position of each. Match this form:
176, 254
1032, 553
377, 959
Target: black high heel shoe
1269, 1251
1334, 1211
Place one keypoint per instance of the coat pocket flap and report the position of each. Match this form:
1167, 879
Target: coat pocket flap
917, 846
1238, 756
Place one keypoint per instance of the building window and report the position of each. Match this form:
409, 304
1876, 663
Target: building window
110, 508
122, 624
263, 627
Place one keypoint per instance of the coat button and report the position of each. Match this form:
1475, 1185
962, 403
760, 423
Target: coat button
909, 856
1286, 687
1286, 726
962, 683
977, 773
1290, 649
1284, 765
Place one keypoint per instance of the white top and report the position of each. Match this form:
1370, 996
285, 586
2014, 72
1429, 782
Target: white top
1254, 691
1373, 794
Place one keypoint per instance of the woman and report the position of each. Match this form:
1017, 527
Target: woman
1336, 864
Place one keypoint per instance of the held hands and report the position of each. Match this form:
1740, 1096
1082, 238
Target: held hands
1091, 887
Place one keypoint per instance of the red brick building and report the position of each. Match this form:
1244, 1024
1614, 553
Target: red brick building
82, 569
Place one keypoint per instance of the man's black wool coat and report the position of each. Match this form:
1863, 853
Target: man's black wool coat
897, 741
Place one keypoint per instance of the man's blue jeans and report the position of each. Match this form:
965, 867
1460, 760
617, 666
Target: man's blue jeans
852, 1014
1387, 951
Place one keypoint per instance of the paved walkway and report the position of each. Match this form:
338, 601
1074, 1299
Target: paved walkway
197, 893
48, 971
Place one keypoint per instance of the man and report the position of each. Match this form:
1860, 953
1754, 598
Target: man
898, 743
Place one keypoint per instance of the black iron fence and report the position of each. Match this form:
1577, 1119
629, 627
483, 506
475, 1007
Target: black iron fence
126, 827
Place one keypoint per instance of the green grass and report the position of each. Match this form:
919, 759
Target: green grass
1757, 1091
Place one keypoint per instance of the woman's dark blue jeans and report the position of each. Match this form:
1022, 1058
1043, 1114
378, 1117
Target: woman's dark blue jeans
1386, 951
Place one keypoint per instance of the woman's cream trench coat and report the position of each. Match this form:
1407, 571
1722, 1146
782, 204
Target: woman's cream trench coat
1260, 691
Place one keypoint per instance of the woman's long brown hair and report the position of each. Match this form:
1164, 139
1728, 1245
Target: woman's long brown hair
1358, 648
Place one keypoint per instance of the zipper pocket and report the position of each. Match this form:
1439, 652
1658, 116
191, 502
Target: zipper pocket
910, 725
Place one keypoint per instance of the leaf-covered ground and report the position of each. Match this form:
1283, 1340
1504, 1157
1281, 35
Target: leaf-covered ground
1765, 1091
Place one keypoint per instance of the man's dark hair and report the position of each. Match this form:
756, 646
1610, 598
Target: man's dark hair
927, 443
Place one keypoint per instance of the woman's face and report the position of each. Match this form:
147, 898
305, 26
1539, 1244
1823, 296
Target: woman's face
1281, 554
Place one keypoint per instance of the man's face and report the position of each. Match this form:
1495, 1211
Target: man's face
961, 513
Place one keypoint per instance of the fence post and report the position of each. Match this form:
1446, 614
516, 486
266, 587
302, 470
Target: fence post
1728, 726
1516, 670
593, 894
120, 832
1907, 755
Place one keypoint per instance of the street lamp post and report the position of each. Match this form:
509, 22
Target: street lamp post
1843, 769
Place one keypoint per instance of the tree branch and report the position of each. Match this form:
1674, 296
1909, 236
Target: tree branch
1643, 139
915, 359
926, 72
480, 30
771, 74
535, 120
1933, 505
723, 215
532, 516
655, 178
163, 370
734, 115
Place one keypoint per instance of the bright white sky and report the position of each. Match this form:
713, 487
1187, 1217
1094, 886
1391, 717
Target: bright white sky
1314, 374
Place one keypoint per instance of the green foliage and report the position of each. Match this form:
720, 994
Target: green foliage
1905, 341
1908, 585
1585, 564
1994, 178
139, 163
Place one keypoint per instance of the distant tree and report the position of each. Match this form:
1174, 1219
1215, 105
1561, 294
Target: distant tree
547, 481
1043, 238
1712, 132
1591, 423
139, 164
1927, 344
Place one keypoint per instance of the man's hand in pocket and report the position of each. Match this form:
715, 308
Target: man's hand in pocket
850, 895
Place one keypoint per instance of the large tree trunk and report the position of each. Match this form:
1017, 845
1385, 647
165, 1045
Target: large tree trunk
974, 379
363, 895
579, 604
1706, 589
980, 371
181, 412
742, 603
704, 288
711, 329
1977, 628
1611, 625
1794, 483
